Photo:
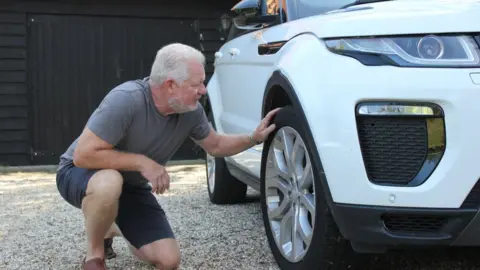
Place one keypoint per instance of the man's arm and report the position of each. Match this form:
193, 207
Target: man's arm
105, 128
94, 153
222, 145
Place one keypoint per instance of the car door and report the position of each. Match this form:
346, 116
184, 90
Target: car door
244, 75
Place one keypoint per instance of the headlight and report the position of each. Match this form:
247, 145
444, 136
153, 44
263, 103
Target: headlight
425, 51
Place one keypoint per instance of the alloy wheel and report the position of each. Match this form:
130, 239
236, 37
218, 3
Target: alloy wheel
290, 194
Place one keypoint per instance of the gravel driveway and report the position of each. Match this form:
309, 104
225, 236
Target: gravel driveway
38, 230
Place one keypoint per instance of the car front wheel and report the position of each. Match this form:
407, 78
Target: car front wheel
300, 228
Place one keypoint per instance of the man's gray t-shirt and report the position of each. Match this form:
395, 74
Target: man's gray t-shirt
128, 119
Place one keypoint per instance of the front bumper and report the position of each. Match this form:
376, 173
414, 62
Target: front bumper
334, 121
436, 203
376, 229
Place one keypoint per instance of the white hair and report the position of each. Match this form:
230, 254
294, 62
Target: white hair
172, 61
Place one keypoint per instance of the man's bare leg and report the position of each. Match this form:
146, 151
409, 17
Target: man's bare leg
163, 254
100, 208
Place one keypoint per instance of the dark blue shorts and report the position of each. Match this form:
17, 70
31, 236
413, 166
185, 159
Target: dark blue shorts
140, 217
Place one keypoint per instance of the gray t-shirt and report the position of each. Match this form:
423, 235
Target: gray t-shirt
128, 119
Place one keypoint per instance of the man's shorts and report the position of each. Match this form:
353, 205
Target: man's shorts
140, 218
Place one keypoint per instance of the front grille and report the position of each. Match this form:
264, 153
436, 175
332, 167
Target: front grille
414, 223
473, 198
394, 148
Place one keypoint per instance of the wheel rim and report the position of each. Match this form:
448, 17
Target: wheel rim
290, 194
211, 171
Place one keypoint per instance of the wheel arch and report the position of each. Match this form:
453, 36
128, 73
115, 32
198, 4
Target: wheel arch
279, 92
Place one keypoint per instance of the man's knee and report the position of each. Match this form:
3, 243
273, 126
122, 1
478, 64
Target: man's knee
164, 254
171, 262
106, 184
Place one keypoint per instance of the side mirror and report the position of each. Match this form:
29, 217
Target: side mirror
249, 16
247, 8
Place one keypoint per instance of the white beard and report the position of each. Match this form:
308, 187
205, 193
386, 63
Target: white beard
178, 107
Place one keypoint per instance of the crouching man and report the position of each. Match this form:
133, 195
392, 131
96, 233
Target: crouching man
136, 129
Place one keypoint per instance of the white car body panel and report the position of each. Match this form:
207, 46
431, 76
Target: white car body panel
329, 86
243, 98
403, 17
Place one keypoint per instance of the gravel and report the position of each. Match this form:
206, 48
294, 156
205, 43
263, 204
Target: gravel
38, 230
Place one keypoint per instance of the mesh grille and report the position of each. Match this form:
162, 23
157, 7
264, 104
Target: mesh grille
414, 223
394, 149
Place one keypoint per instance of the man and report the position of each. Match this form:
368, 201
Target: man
126, 142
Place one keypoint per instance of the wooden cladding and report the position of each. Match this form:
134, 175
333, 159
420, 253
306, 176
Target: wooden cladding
14, 121
76, 53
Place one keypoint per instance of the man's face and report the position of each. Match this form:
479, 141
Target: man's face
184, 97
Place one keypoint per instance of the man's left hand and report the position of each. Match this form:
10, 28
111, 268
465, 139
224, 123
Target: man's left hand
265, 127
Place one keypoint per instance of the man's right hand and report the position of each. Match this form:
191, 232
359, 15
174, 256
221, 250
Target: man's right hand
157, 175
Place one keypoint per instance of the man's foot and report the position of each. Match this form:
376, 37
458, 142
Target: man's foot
94, 264
109, 253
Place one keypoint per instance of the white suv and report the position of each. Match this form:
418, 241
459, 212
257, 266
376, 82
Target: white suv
375, 144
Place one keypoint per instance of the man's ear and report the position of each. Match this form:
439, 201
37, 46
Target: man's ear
170, 85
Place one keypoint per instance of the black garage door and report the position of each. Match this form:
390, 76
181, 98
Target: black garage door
75, 60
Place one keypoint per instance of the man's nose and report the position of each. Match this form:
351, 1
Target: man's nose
203, 90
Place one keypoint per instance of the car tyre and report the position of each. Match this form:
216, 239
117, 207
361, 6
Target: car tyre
327, 248
222, 186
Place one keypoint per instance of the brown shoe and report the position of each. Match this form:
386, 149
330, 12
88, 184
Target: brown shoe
94, 264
